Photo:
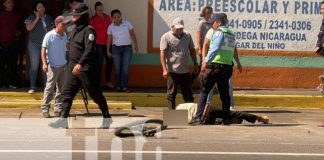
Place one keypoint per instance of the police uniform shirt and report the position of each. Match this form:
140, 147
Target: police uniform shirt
177, 51
220, 50
82, 47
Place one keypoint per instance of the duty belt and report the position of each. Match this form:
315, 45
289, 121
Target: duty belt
217, 65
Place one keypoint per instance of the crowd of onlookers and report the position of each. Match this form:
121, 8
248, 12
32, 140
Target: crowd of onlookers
50, 40
38, 23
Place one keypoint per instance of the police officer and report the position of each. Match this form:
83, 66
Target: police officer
217, 65
320, 35
82, 68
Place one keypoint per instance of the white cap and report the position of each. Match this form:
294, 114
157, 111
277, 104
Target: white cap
178, 23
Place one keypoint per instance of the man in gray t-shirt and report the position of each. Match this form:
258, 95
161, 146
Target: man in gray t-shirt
176, 47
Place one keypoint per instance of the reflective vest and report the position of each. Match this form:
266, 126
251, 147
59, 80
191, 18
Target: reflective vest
226, 53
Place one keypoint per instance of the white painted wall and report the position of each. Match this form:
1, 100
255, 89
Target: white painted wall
295, 22
133, 10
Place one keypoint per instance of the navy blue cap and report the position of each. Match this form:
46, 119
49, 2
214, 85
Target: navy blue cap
218, 17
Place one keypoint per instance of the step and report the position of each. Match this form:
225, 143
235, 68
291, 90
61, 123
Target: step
77, 104
159, 99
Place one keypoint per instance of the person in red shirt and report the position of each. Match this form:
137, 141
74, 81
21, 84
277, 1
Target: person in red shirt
100, 22
9, 32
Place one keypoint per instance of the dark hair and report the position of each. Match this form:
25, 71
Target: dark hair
224, 22
36, 3
115, 11
2, 4
98, 3
71, 1
205, 10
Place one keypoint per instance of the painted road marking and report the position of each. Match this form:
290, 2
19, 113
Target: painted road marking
165, 152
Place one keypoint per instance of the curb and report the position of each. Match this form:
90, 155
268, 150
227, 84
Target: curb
120, 105
296, 101
127, 100
242, 100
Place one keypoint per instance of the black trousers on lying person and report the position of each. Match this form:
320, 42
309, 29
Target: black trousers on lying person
211, 114
89, 81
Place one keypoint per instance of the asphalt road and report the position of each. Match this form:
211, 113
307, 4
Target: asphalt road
293, 135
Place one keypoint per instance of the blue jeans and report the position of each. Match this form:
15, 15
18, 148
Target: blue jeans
122, 56
34, 59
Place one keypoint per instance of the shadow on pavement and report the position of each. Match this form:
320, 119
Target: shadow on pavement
98, 114
271, 111
170, 128
273, 125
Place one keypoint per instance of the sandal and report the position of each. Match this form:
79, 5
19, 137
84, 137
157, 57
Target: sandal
126, 90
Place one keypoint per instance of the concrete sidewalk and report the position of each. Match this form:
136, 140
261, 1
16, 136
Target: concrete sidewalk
156, 97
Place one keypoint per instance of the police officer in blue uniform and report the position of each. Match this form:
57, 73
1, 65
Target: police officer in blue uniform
82, 68
217, 65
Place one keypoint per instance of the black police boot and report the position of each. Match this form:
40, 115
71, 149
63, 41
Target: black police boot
195, 121
171, 105
227, 120
218, 121
106, 121
60, 123
106, 114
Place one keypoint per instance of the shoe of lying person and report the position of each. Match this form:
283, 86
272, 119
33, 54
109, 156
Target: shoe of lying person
60, 123
321, 125
263, 119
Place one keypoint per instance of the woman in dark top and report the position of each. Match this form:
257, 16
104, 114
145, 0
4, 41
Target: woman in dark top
37, 24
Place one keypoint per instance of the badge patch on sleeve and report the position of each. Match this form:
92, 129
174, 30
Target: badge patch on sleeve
218, 34
91, 37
